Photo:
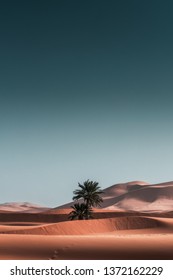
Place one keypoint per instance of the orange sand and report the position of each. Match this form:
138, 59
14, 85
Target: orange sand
134, 223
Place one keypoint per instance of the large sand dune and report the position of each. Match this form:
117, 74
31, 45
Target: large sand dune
148, 198
134, 222
137, 196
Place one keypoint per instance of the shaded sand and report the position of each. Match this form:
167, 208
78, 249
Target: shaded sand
58, 211
136, 196
135, 246
112, 238
114, 191
150, 198
140, 198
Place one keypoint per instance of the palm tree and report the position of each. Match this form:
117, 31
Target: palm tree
80, 212
90, 193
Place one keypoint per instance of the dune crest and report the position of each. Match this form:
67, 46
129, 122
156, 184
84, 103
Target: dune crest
22, 207
136, 196
91, 226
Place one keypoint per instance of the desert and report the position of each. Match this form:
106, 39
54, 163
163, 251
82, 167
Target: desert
134, 221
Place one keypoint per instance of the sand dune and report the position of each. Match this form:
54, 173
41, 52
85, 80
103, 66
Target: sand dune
163, 184
58, 211
120, 189
150, 198
137, 196
104, 247
112, 192
132, 196
134, 222
91, 226
117, 238
22, 207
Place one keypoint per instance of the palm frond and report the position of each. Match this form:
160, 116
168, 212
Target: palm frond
90, 192
80, 212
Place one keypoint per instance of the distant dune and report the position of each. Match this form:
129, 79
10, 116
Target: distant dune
142, 198
135, 221
137, 196
131, 196
22, 207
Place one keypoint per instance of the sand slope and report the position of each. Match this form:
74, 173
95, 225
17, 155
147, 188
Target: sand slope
112, 192
117, 238
90, 226
150, 198
24, 207
100, 247
135, 222
137, 196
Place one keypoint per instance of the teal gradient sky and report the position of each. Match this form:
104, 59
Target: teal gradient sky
86, 92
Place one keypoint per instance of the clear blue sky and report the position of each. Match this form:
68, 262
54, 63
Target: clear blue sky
86, 92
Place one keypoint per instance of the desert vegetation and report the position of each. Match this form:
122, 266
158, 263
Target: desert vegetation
90, 195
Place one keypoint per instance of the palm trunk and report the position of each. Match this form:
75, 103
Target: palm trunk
87, 205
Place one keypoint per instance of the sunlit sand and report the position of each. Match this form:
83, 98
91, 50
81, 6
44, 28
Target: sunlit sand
135, 222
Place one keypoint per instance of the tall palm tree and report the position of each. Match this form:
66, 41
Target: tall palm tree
80, 212
90, 193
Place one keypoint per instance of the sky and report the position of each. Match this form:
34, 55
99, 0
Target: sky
86, 92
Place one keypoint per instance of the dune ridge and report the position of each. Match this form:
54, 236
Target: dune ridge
134, 222
136, 196
24, 207
91, 226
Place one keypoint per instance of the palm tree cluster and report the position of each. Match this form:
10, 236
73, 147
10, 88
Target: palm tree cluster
89, 193
80, 212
